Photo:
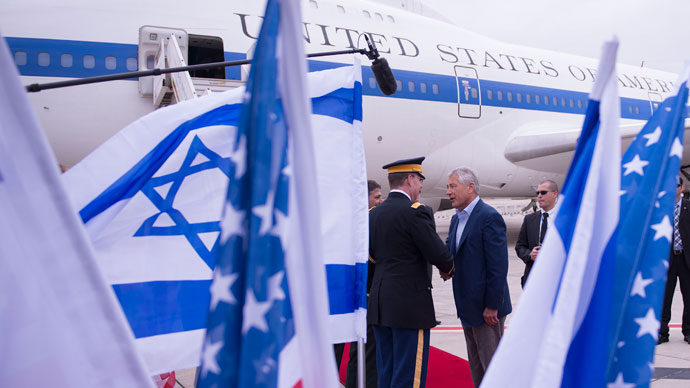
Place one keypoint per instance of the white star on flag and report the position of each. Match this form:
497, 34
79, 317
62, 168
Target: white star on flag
220, 289
635, 165
275, 291
663, 229
648, 325
280, 229
254, 313
210, 358
239, 157
232, 223
653, 138
265, 212
639, 285
676, 148
619, 383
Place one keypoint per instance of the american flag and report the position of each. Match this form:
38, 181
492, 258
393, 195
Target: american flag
649, 175
251, 338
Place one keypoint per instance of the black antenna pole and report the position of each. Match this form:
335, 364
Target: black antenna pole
33, 88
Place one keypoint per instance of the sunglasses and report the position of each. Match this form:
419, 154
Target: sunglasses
543, 192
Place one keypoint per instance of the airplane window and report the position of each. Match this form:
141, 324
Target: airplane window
518, 96
390, 18
410, 86
366, 14
537, 99
314, 4
562, 101
399, 83
110, 63
546, 100
656, 105
489, 94
637, 110
509, 96
20, 58
43, 59
499, 95
132, 64
579, 104
422, 87
434, 88
150, 62
372, 82
572, 103
630, 109
341, 9
66, 60
378, 16
474, 93
555, 101
528, 98
89, 61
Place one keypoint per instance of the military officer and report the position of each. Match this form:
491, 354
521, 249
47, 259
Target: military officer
402, 241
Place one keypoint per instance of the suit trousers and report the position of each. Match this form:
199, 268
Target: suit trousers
677, 269
482, 342
402, 356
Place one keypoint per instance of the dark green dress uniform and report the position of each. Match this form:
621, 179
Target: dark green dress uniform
402, 242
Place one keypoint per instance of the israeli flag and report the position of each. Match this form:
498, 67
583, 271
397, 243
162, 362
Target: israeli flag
557, 337
648, 196
152, 198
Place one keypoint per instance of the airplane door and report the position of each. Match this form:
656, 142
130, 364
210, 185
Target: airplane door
469, 96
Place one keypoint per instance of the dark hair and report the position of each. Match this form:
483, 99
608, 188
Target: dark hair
372, 185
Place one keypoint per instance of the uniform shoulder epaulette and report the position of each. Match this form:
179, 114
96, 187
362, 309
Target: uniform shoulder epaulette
416, 205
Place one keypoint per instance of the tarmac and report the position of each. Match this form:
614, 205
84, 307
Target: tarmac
671, 361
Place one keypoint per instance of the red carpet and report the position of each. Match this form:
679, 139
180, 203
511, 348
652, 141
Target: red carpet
445, 370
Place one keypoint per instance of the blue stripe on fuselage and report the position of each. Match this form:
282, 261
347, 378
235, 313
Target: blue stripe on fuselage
412, 85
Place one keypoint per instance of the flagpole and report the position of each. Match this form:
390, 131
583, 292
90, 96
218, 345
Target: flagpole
361, 373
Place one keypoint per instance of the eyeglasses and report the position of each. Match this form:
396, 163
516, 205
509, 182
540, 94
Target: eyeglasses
543, 192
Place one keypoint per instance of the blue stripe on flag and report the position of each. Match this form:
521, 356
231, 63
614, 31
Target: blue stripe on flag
343, 282
163, 307
337, 104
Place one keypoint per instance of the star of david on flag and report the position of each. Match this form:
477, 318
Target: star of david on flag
649, 175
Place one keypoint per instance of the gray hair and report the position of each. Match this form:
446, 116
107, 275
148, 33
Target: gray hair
465, 176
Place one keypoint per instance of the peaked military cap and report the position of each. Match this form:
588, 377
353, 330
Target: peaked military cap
406, 165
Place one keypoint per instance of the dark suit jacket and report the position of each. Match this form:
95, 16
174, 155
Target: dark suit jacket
684, 229
481, 265
402, 240
527, 240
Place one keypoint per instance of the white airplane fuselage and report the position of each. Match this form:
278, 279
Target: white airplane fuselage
511, 113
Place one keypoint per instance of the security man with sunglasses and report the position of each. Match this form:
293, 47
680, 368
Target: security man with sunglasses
534, 226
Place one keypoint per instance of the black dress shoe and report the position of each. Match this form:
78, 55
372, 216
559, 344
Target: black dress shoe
687, 339
663, 339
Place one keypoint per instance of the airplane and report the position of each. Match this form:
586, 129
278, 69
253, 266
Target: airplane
511, 113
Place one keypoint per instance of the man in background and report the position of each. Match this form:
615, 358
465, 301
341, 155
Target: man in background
678, 267
534, 226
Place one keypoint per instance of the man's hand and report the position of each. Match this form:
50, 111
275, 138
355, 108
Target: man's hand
444, 275
534, 253
490, 316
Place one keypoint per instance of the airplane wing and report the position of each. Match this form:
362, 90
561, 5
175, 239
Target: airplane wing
535, 144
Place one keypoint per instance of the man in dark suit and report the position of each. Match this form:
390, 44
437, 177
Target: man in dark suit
534, 226
678, 267
477, 238
402, 240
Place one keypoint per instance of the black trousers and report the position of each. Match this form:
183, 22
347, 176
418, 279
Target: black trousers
677, 269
